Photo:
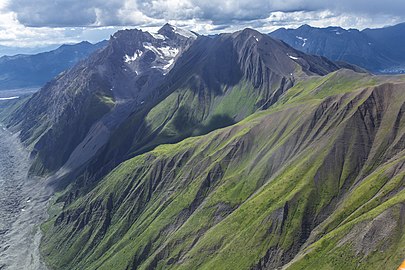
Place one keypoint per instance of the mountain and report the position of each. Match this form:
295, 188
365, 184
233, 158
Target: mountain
95, 96
392, 38
28, 71
172, 150
217, 82
378, 50
316, 179
8, 50
143, 90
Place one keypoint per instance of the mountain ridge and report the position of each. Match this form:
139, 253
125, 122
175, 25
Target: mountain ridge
206, 91
262, 188
378, 50
27, 71
135, 70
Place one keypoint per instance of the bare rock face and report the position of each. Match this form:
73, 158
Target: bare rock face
376, 235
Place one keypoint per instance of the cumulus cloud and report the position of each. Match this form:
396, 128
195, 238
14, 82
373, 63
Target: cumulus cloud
60, 13
30, 21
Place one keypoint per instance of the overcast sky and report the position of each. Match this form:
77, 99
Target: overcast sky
30, 23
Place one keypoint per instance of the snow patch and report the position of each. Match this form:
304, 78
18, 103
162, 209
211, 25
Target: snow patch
304, 40
165, 52
256, 38
158, 36
9, 98
184, 33
169, 63
165, 56
169, 51
293, 57
129, 59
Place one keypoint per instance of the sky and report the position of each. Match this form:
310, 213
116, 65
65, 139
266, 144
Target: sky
43, 23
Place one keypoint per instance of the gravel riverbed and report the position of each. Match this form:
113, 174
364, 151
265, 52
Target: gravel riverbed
23, 204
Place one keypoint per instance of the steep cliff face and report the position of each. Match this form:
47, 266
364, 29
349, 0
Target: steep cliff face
307, 182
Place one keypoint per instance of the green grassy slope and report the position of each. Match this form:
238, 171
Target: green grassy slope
183, 113
316, 180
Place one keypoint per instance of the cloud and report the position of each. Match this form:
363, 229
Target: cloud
61, 13
33, 22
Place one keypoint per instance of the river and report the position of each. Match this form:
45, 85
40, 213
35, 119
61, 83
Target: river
23, 204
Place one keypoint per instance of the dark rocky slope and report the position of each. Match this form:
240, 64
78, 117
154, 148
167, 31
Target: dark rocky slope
89, 100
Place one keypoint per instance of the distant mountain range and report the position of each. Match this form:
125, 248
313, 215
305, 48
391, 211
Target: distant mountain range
378, 50
8, 50
29, 71
172, 150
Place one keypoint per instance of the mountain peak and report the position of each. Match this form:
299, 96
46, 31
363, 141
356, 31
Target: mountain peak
170, 31
305, 26
166, 27
127, 33
248, 33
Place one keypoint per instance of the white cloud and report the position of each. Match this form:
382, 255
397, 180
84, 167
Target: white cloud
40, 22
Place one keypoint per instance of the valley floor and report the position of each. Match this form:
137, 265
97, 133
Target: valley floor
4, 94
23, 203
